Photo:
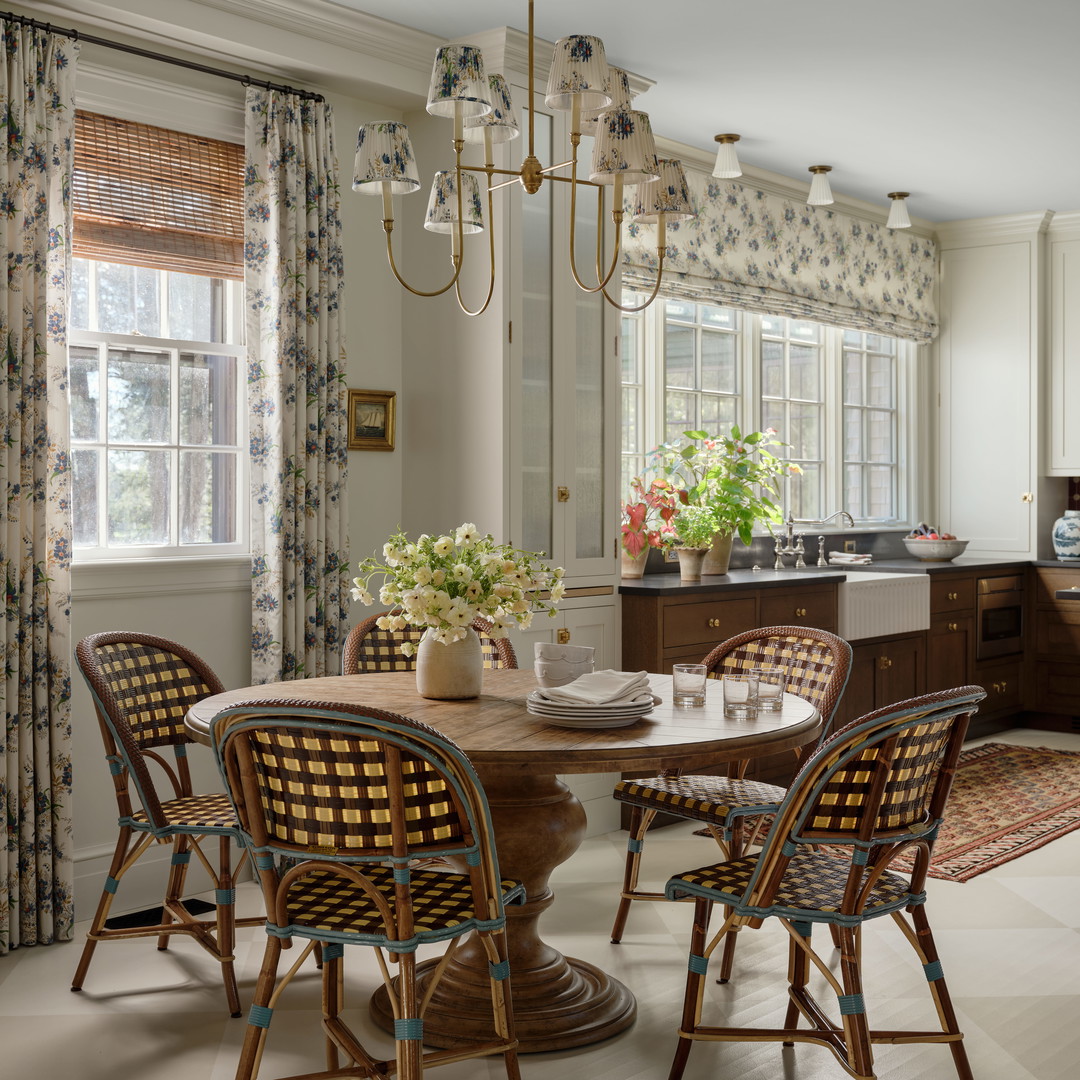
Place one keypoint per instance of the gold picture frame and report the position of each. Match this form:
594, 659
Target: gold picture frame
371, 419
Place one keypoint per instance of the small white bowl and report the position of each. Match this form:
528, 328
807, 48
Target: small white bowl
935, 550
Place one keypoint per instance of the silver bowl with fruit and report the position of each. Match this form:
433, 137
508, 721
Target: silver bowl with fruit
935, 548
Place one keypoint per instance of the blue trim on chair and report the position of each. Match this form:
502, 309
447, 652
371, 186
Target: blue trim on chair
402, 876
634, 845
408, 1029
116, 764
699, 965
933, 971
851, 1004
472, 858
859, 857
224, 897
181, 750
788, 848
181, 858
802, 927
259, 1016
333, 950
500, 971
264, 860
111, 884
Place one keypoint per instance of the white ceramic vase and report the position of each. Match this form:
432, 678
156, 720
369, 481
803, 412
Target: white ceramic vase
449, 672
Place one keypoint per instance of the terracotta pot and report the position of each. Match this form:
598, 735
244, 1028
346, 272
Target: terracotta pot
690, 560
719, 555
633, 566
449, 672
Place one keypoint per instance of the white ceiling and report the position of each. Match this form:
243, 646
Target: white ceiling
970, 105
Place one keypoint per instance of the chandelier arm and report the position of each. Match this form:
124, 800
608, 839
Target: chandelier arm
491, 259
652, 296
616, 217
388, 228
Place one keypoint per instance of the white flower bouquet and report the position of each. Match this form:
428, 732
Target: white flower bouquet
442, 583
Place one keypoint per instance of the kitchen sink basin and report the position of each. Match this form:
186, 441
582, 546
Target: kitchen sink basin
874, 604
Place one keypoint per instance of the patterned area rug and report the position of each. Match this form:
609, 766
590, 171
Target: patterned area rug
1006, 801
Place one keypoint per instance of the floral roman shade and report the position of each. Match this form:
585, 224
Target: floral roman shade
753, 249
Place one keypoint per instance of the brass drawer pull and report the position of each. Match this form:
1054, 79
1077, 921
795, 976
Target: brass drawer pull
562, 637
953, 596
800, 613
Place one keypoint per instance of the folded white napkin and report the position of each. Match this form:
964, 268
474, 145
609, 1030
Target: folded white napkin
839, 558
599, 688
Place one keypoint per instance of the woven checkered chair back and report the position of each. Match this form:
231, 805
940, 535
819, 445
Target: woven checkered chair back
369, 648
348, 782
880, 781
816, 662
143, 687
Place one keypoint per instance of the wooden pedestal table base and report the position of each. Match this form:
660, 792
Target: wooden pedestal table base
558, 1002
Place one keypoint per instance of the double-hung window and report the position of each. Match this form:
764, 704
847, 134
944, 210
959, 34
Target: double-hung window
841, 400
155, 343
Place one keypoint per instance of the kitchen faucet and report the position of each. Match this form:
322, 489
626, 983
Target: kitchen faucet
793, 542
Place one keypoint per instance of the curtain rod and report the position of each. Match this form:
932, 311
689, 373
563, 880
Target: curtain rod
77, 35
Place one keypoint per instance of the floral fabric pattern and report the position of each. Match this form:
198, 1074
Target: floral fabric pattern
37, 115
756, 250
296, 388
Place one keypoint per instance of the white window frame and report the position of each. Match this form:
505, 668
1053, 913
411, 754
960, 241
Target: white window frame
95, 339
908, 370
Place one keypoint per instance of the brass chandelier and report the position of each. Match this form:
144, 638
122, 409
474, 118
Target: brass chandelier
580, 82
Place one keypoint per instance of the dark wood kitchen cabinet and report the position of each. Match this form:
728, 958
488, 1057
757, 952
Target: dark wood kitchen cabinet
1055, 650
883, 671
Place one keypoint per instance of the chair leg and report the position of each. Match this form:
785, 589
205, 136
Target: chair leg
225, 898
116, 872
695, 986
259, 1015
640, 820
860, 1053
923, 942
410, 1048
798, 974
174, 887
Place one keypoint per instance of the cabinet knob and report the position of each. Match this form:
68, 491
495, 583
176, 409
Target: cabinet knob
562, 493
562, 637
954, 596
884, 663
1028, 497
1000, 687
953, 626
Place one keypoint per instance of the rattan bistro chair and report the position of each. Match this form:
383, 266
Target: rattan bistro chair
875, 792
368, 648
817, 665
350, 798
142, 688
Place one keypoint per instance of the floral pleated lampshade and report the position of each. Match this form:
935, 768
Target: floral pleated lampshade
669, 195
458, 82
501, 122
384, 155
624, 147
621, 97
579, 67
443, 204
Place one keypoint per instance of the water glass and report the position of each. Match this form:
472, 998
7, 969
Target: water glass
688, 684
771, 682
740, 696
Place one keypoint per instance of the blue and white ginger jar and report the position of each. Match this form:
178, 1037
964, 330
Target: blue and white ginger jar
1066, 536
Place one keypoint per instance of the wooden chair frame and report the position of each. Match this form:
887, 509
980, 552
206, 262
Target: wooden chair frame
724, 803
142, 687
878, 789
371, 799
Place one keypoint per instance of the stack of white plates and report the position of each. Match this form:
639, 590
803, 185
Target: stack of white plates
615, 714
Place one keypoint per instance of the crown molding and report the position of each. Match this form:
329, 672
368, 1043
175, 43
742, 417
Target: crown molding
993, 230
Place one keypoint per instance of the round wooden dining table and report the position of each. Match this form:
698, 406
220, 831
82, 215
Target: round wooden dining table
559, 1001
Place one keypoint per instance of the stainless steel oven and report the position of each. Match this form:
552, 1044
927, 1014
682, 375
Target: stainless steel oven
999, 616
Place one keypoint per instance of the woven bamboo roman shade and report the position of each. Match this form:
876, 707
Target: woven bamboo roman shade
154, 197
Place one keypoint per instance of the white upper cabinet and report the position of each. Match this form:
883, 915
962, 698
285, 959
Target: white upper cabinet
1063, 397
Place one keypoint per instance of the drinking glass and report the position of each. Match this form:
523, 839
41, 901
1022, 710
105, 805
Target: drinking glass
770, 688
688, 684
740, 696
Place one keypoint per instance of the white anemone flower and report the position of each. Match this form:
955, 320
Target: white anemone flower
467, 535
443, 546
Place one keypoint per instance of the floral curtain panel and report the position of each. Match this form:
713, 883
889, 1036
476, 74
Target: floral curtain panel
37, 115
752, 249
296, 388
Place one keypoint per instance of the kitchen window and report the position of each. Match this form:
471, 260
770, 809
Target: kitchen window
843, 400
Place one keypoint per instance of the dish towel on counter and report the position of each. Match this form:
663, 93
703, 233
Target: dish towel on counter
599, 688
848, 558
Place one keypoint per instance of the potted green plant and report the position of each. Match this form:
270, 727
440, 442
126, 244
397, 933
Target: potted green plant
695, 526
737, 476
